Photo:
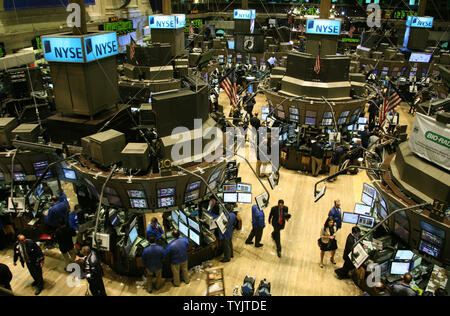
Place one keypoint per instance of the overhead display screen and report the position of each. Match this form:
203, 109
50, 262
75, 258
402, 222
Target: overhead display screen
63, 49
101, 46
324, 27
244, 14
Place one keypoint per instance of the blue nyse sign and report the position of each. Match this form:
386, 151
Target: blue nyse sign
423, 22
100, 46
244, 14
65, 49
324, 27
175, 21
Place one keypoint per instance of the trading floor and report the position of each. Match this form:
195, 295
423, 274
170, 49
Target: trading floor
297, 272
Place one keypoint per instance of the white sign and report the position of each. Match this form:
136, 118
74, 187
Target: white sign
431, 140
175, 21
244, 14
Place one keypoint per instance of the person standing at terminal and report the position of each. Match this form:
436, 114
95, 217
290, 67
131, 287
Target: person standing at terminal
92, 271
63, 236
336, 214
258, 224
278, 217
226, 238
342, 273
317, 154
57, 211
152, 258
403, 287
29, 253
177, 250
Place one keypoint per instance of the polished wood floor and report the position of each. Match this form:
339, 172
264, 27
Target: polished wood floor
296, 273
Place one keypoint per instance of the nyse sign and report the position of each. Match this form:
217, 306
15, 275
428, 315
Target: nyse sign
422, 22
175, 21
101, 46
65, 49
324, 27
244, 14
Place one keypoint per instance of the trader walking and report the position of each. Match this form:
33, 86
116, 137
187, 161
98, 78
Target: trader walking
278, 217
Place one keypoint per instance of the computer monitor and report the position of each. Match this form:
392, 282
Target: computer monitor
244, 187
244, 197
69, 174
191, 196
417, 262
382, 212
369, 190
366, 221
40, 165
399, 268
231, 45
294, 118
431, 238
193, 186
350, 218
227, 188
293, 110
429, 249
362, 209
366, 199
175, 217
230, 197
136, 194
49, 174
166, 192
194, 237
166, 201
183, 217
384, 267
20, 176
193, 224
433, 229
138, 203
310, 121
420, 58
404, 255
133, 234
183, 229
362, 120
113, 200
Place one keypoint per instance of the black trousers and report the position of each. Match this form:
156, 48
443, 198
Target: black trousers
343, 272
276, 236
227, 247
36, 273
96, 286
257, 233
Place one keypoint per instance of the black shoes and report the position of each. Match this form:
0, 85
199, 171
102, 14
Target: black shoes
279, 254
224, 260
259, 245
248, 242
38, 291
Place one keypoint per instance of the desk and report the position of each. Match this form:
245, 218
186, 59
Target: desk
299, 158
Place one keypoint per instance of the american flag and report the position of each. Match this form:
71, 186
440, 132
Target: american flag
132, 48
228, 83
389, 103
318, 64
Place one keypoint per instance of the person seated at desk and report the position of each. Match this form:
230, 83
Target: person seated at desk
154, 229
403, 287
57, 211
177, 250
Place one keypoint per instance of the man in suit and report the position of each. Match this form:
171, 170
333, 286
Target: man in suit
342, 273
93, 271
336, 214
258, 225
278, 216
152, 259
317, 154
30, 254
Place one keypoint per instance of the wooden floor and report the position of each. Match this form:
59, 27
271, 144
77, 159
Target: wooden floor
296, 273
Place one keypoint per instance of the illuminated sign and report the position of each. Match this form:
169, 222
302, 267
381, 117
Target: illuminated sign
422, 22
175, 21
100, 46
324, 27
68, 48
65, 49
244, 14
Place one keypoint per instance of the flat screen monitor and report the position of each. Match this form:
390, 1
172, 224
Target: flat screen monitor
183, 229
383, 202
366, 199
362, 120
230, 198
327, 115
166, 192
194, 237
366, 221
183, 217
244, 197
40, 165
327, 122
138, 203
70, 174
49, 174
293, 110
384, 267
193, 186
369, 190
350, 218
191, 196
294, 118
133, 234
432, 229
250, 90
362, 209
342, 120
429, 249
399, 268
227, 188
39, 190
230, 44
417, 262
404, 255
214, 176
193, 224
175, 217
382, 212
136, 194
166, 201
431, 238
20, 176
113, 200
114, 219
244, 187
419, 58
310, 121
311, 113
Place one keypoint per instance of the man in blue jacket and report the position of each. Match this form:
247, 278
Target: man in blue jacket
226, 238
336, 214
57, 211
258, 225
152, 258
154, 229
177, 250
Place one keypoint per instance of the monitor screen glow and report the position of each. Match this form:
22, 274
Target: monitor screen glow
230, 197
194, 237
399, 268
69, 174
133, 235
404, 255
350, 218
244, 197
362, 209
183, 229
193, 224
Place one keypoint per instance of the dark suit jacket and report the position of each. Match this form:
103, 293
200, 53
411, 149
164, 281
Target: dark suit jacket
34, 252
348, 246
275, 216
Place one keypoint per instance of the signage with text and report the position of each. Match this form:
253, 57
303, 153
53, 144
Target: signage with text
101, 46
324, 27
175, 21
422, 22
244, 14
64, 49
